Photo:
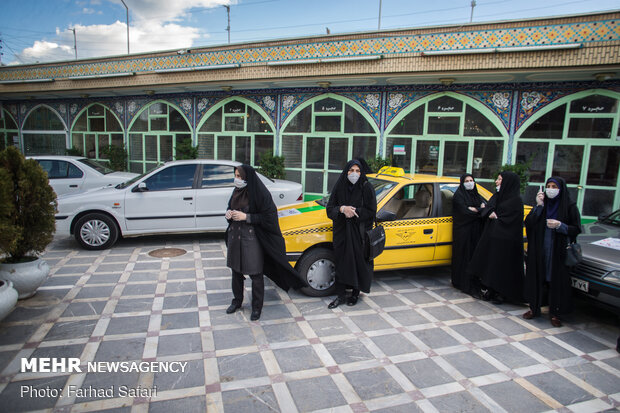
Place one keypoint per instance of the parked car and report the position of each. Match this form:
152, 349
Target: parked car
597, 276
69, 174
178, 197
415, 211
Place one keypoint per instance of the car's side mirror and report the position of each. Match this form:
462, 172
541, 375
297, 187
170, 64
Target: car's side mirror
386, 216
141, 187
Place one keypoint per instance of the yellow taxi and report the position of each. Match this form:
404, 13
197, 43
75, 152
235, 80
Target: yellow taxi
415, 211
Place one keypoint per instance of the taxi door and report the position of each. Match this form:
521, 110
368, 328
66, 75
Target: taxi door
411, 237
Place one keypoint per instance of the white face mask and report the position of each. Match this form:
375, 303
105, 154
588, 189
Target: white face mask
469, 185
240, 183
353, 177
552, 192
497, 188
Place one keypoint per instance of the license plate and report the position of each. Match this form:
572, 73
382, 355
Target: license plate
580, 284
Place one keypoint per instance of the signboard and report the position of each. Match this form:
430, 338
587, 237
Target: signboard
433, 151
399, 150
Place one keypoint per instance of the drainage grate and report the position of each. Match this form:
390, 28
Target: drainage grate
167, 252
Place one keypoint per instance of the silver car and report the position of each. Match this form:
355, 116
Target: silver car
598, 275
178, 197
72, 174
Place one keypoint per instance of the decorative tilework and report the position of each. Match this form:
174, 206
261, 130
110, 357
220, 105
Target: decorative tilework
498, 101
203, 104
135, 105
399, 100
369, 101
290, 102
186, 105
558, 34
532, 101
267, 102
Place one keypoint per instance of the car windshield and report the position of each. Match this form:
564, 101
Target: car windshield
96, 166
381, 186
613, 219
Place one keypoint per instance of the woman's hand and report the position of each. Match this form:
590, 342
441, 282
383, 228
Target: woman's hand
553, 224
228, 214
493, 215
473, 209
238, 216
482, 205
540, 198
348, 211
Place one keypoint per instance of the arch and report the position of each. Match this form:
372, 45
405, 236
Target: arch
473, 139
149, 142
8, 131
582, 146
44, 141
87, 139
246, 144
324, 139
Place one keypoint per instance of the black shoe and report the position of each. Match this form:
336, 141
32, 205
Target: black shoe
485, 294
351, 301
337, 302
255, 315
498, 299
232, 308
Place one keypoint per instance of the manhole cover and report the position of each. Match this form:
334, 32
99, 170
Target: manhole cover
167, 252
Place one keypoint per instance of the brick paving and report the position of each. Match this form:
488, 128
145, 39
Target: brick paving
414, 344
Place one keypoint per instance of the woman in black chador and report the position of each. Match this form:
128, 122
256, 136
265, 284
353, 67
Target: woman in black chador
352, 206
498, 258
550, 225
466, 228
255, 242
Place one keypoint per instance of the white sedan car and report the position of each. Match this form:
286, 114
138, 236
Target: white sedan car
178, 197
69, 174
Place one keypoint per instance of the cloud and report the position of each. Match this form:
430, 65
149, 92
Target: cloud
107, 40
154, 25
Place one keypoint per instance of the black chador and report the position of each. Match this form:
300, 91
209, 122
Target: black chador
256, 246
466, 228
352, 269
498, 258
547, 251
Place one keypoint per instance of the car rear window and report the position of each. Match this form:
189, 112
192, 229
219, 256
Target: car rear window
96, 166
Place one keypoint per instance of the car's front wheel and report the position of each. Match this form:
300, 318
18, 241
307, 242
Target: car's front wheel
319, 269
96, 231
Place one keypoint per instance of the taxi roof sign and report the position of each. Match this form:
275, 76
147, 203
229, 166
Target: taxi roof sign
391, 171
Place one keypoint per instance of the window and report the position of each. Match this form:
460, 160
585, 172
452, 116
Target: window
94, 130
217, 176
412, 201
172, 178
44, 133
8, 130
60, 169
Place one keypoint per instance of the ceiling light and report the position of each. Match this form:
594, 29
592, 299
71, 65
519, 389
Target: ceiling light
324, 85
446, 81
601, 77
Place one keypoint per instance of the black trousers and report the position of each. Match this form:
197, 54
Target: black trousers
258, 289
341, 290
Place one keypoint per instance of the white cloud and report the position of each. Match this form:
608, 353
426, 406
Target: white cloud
154, 25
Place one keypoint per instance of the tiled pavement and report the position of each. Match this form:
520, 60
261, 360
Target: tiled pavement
414, 344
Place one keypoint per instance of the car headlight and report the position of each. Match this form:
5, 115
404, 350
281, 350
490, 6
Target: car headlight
612, 277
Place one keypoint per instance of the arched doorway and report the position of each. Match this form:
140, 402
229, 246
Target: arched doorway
576, 138
235, 129
44, 132
447, 134
94, 129
154, 134
320, 136
9, 133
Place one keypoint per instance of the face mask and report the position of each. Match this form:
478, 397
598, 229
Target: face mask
497, 188
552, 192
240, 183
353, 177
469, 185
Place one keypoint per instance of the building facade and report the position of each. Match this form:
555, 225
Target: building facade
440, 100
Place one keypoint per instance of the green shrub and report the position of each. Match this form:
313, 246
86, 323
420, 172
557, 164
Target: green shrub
27, 207
377, 163
117, 157
185, 150
74, 152
271, 166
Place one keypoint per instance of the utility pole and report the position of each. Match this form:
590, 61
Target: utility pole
379, 25
1, 57
471, 16
74, 42
228, 17
127, 20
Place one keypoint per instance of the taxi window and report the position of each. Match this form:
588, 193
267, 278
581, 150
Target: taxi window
447, 193
412, 201
381, 187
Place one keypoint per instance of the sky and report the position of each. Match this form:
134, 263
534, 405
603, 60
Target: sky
34, 31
